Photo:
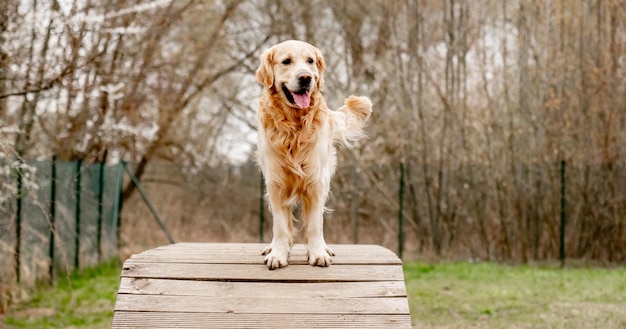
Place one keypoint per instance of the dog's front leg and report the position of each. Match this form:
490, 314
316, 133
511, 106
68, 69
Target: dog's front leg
277, 253
317, 251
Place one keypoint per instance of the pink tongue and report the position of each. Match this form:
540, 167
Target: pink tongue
303, 100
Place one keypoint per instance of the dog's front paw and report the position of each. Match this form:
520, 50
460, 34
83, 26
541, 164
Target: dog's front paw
275, 257
320, 256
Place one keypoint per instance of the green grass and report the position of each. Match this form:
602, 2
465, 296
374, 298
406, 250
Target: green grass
487, 295
445, 295
85, 299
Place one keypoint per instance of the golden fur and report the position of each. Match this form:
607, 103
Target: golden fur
296, 140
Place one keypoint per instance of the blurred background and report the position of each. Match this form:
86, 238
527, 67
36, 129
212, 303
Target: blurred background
498, 130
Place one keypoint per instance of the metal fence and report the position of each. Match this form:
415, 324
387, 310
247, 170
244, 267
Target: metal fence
56, 217
538, 212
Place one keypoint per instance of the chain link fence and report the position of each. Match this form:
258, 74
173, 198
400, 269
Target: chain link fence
55, 217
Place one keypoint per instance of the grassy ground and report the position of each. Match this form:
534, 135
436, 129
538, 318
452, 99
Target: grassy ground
446, 295
487, 295
82, 300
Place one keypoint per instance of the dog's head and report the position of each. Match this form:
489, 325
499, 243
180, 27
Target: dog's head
295, 69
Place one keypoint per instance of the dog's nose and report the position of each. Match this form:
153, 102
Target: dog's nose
304, 78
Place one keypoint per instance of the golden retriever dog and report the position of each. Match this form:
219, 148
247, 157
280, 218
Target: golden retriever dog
296, 152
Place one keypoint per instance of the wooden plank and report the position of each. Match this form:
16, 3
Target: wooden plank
256, 321
257, 248
253, 250
198, 304
344, 254
255, 253
262, 289
244, 247
239, 272
227, 258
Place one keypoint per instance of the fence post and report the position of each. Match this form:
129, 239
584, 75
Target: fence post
117, 205
563, 203
18, 218
400, 211
100, 194
261, 209
53, 193
77, 215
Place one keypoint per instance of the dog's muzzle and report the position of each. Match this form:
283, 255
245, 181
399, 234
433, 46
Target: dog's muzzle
301, 96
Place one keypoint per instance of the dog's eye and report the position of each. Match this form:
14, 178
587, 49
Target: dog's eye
287, 61
310, 61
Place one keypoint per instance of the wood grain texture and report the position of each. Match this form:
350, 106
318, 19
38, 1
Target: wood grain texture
145, 286
154, 320
245, 272
273, 305
226, 285
223, 254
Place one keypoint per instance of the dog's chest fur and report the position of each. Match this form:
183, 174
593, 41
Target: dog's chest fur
296, 142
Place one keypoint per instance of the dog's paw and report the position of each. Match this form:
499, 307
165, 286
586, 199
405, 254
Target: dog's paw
275, 257
320, 256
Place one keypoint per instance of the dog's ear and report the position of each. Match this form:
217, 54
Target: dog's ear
320, 68
265, 72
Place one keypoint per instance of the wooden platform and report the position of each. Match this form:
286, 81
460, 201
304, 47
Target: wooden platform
204, 285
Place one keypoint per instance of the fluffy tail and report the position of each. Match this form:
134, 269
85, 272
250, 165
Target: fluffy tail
350, 119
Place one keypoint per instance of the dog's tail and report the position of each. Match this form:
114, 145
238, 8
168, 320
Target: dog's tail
350, 119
